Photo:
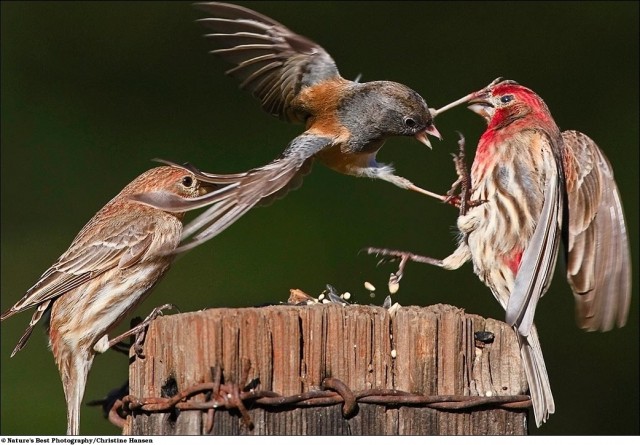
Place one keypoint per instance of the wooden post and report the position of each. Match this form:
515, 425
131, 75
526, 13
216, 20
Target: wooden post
292, 350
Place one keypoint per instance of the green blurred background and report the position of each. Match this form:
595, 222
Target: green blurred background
91, 92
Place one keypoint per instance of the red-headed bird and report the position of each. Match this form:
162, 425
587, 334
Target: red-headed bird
536, 186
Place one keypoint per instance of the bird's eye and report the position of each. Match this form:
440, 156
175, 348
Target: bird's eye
409, 122
187, 181
506, 99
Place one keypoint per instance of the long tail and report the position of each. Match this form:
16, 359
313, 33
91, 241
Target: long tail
537, 377
74, 366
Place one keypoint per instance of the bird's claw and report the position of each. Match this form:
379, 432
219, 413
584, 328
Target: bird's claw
390, 256
462, 199
139, 332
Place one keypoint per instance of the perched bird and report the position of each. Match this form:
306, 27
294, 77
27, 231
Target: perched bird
110, 267
536, 186
297, 80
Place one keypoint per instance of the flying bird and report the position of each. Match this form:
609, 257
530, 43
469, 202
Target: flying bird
295, 79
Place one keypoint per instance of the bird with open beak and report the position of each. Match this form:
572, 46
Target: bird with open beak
535, 186
295, 79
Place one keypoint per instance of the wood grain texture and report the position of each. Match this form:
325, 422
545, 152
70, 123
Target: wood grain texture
292, 349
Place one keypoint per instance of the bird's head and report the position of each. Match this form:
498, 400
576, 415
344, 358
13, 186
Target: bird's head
378, 110
170, 178
503, 102
165, 187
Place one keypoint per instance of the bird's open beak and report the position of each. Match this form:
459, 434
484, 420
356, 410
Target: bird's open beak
422, 136
480, 105
469, 98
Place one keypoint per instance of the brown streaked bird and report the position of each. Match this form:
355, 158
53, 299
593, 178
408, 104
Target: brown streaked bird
110, 267
297, 80
539, 186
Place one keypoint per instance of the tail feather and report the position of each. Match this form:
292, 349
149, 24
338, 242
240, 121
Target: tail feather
37, 315
74, 365
537, 377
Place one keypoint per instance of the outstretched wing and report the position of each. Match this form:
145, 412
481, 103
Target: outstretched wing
271, 61
241, 191
597, 247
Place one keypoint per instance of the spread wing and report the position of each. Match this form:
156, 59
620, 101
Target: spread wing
91, 254
271, 61
241, 192
597, 247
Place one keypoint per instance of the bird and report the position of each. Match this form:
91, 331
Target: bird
109, 268
536, 186
295, 79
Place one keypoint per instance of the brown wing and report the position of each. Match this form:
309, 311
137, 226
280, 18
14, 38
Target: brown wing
91, 254
241, 192
597, 250
271, 61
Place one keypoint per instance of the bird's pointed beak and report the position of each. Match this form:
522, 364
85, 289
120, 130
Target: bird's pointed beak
481, 105
480, 101
422, 136
469, 98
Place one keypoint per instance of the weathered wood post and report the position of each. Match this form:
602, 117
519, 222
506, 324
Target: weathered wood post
328, 369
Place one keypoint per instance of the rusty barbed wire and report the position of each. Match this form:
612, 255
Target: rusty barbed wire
231, 396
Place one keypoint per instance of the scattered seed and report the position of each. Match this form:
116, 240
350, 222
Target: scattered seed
394, 285
346, 295
368, 286
393, 353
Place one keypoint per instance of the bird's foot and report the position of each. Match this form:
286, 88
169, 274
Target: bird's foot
394, 255
138, 332
463, 182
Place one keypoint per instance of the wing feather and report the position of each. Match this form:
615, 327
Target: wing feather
270, 60
90, 255
597, 250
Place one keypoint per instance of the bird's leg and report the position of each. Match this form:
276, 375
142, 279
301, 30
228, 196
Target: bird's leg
121, 346
406, 184
138, 331
460, 256
463, 182
391, 255
460, 200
